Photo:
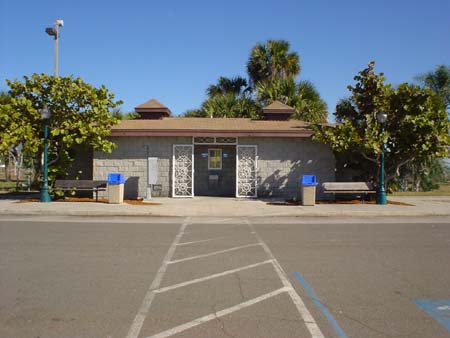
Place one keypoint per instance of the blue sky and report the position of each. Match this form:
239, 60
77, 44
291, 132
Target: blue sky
172, 50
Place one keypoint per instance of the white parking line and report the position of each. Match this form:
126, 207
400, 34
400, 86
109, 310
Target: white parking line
136, 326
198, 280
200, 241
212, 253
215, 315
298, 302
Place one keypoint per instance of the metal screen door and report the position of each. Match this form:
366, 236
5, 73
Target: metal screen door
246, 170
183, 170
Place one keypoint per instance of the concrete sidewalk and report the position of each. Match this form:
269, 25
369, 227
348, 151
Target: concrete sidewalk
230, 207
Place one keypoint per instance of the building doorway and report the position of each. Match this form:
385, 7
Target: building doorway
215, 170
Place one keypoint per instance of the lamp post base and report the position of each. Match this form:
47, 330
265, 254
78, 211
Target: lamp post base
381, 198
45, 196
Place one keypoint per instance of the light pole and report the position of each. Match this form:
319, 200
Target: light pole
45, 196
381, 193
54, 31
45, 113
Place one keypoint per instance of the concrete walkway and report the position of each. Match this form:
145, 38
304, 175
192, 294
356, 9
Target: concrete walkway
230, 207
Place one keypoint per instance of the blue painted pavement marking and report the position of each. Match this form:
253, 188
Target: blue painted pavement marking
438, 309
334, 324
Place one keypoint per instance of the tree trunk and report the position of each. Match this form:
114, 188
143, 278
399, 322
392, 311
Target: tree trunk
6, 170
417, 185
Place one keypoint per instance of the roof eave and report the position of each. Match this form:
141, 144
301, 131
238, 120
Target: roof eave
235, 133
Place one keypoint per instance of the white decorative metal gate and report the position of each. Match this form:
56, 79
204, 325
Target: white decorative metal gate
183, 170
246, 171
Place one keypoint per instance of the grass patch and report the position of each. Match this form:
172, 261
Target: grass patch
7, 185
444, 190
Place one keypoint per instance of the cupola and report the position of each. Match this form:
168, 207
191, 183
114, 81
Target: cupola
277, 111
152, 110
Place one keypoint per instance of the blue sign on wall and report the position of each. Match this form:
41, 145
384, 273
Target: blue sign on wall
438, 309
204, 155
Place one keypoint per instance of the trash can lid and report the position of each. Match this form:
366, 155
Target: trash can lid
116, 178
309, 180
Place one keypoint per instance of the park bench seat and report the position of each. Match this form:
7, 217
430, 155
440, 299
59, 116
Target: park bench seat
79, 185
362, 188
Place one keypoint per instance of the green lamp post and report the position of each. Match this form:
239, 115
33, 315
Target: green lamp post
45, 196
381, 193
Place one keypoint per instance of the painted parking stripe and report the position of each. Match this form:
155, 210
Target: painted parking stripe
136, 326
212, 253
334, 324
200, 241
438, 309
308, 319
198, 280
215, 315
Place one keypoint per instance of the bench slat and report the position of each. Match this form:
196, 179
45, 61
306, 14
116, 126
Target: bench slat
349, 191
347, 186
80, 184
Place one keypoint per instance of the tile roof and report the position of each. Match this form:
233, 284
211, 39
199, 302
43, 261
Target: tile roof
208, 126
277, 106
152, 109
151, 104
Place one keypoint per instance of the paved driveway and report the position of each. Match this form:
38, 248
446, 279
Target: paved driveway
223, 277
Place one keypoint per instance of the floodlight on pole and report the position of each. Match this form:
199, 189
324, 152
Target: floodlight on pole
54, 31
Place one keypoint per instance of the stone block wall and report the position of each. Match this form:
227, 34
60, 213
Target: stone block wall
281, 164
130, 159
283, 161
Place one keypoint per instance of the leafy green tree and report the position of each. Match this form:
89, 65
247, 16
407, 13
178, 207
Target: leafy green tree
270, 60
438, 81
416, 129
80, 116
6, 153
422, 176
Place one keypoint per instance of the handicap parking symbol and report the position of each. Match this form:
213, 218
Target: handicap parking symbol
438, 309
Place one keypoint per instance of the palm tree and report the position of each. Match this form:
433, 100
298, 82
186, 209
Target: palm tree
229, 97
230, 105
439, 82
281, 89
302, 96
236, 85
272, 60
309, 106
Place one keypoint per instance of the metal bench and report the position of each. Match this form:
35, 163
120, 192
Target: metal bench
78, 185
362, 188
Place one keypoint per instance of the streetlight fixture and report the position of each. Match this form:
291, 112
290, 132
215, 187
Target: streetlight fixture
45, 196
54, 31
381, 193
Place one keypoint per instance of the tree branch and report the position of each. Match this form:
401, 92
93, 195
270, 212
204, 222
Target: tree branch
369, 158
397, 169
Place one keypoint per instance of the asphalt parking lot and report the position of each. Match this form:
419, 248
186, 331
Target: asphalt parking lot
224, 277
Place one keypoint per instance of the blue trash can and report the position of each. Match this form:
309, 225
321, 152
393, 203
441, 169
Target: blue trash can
309, 190
116, 183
